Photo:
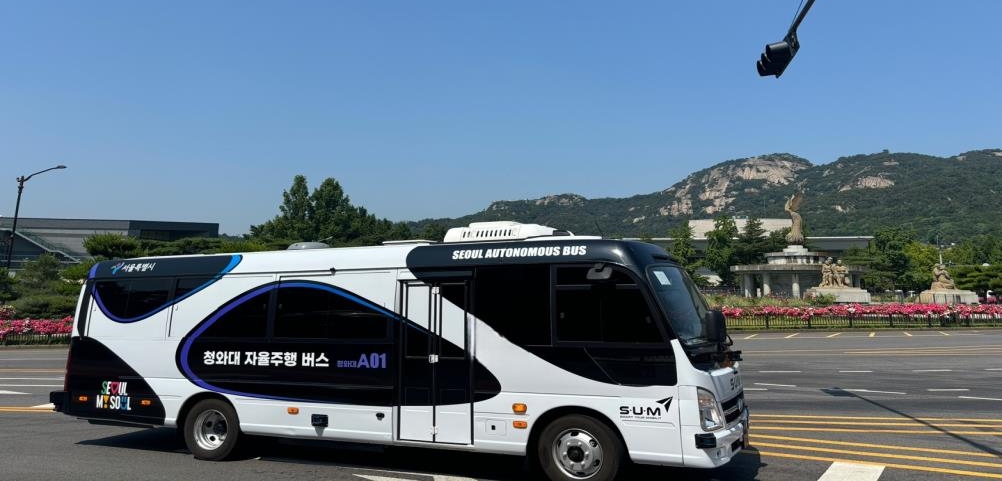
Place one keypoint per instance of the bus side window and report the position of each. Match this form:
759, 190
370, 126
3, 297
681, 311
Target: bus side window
317, 313
612, 310
131, 299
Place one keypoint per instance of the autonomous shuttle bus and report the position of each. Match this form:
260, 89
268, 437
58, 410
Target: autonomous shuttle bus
579, 352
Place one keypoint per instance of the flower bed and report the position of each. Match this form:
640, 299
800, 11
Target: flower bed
35, 331
860, 316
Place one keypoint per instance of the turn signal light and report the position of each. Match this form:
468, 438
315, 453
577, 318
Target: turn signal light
292, 411
519, 408
145, 403
83, 399
520, 424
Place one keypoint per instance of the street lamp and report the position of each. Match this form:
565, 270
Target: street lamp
13, 228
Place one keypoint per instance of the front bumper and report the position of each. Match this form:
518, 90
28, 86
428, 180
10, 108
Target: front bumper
717, 448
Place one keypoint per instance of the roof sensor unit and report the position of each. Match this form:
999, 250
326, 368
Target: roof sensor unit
500, 230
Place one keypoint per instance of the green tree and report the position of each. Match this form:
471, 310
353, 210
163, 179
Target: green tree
751, 244
325, 215
112, 246
886, 259
684, 252
434, 232
292, 222
720, 250
35, 275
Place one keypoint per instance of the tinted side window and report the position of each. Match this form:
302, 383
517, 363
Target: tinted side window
515, 301
612, 310
249, 319
188, 284
322, 313
133, 298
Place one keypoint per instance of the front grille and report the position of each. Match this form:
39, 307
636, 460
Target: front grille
732, 411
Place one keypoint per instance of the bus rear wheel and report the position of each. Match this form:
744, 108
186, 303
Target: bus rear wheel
211, 430
577, 448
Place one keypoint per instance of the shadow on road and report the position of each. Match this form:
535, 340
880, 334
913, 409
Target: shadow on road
836, 391
744, 467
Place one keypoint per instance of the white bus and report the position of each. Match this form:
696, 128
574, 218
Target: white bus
578, 352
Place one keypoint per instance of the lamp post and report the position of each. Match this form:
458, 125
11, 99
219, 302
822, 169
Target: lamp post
13, 228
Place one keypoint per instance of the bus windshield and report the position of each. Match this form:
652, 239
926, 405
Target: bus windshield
682, 303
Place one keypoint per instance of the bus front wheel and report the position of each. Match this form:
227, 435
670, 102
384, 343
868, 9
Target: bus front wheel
211, 430
577, 448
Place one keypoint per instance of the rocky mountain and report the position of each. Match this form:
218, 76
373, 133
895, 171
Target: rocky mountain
954, 197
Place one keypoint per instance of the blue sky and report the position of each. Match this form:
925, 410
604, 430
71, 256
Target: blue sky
204, 111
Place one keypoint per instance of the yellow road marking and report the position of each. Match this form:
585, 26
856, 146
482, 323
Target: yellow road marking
792, 335
889, 465
877, 446
880, 349
908, 334
874, 418
903, 423
24, 410
875, 431
833, 335
882, 455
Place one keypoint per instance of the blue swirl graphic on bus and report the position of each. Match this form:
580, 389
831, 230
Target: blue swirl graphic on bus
117, 267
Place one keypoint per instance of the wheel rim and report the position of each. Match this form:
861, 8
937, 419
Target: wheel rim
210, 430
578, 453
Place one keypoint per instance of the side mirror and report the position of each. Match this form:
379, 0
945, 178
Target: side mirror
599, 272
716, 327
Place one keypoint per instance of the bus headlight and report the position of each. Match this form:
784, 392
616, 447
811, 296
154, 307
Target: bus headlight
711, 418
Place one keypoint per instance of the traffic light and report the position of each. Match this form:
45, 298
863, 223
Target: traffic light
777, 56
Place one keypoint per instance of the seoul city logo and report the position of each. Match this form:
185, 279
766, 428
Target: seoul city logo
117, 267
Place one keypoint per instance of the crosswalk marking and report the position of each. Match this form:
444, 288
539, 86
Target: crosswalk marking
840, 471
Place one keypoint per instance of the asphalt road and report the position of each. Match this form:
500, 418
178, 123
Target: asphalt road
888, 405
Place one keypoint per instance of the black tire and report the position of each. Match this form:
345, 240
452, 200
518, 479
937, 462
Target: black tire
578, 447
212, 430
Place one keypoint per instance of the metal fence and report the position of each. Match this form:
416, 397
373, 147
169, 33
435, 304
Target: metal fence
863, 321
34, 339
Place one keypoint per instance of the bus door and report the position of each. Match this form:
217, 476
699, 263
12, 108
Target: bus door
436, 370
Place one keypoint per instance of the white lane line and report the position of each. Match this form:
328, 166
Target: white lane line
833, 335
31, 385
932, 370
979, 398
946, 390
855, 371
755, 389
943, 333
994, 369
774, 385
751, 336
792, 335
840, 471
874, 392
11, 392
33, 359
872, 334
45, 406
779, 372
908, 334
31, 379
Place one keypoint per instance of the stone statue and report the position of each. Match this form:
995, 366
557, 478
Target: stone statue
941, 279
796, 235
827, 273
841, 274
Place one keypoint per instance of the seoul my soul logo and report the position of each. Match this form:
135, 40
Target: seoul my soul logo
114, 395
